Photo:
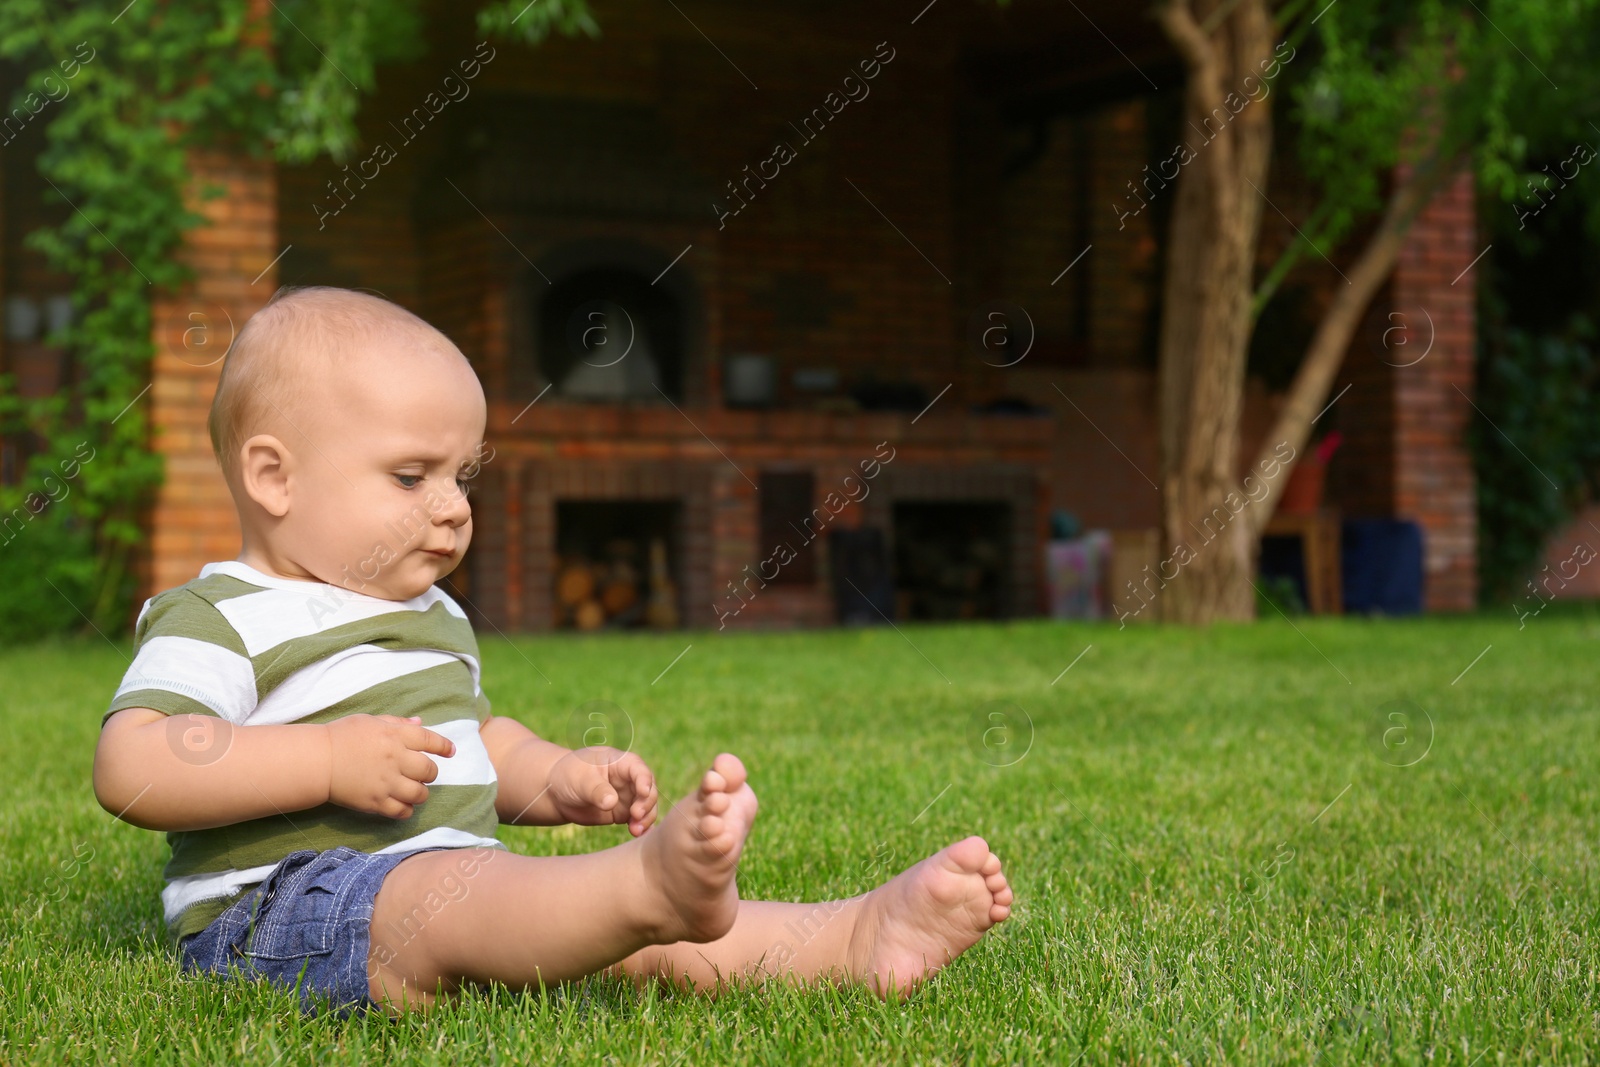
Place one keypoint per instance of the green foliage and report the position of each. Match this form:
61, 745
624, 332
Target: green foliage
531, 21
336, 48
1477, 83
113, 159
46, 561
1278, 594
1534, 444
146, 84
1356, 82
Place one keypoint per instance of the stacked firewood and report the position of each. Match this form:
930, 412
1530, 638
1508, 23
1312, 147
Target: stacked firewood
613, 591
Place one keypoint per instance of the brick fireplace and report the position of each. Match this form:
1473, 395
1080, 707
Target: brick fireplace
611, 455
597, 308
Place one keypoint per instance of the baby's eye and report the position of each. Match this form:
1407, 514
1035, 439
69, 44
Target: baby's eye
464, 485
408, 481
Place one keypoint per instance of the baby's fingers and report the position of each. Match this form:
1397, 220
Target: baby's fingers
404, 796
421, 739
644, 783
601, 795
418, 768
642, 815
632, 777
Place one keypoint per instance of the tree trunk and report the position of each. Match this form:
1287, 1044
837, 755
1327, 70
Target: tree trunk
1208, 548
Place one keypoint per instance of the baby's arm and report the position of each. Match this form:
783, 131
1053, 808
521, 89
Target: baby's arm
146, 774
543, 784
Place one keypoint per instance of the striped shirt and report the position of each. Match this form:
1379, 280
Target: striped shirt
258, 650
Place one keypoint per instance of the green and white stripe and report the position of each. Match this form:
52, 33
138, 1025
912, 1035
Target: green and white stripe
258, 650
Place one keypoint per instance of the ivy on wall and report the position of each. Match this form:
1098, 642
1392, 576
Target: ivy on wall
124, 92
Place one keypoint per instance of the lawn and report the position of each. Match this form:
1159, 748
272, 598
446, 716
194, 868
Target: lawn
1333, 841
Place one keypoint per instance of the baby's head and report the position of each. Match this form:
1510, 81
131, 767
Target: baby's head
346, 427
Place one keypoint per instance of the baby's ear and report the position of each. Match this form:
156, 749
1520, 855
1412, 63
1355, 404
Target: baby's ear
264, 469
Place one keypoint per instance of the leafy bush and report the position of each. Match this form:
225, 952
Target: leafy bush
1535, 445
46, 568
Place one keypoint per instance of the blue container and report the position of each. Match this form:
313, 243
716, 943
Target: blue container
1381, 561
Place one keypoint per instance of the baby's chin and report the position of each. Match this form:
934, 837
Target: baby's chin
415, 575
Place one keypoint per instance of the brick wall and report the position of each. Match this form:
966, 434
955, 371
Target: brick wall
811, 267
1433, 467
192, 521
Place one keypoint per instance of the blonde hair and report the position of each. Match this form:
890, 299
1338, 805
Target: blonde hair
275, 362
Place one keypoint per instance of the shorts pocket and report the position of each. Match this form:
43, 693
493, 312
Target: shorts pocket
298, 912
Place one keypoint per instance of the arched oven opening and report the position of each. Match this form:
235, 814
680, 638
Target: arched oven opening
610, 325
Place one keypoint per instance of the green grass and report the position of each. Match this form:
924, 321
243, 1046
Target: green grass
1214, 855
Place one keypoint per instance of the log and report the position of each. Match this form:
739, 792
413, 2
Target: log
619, 596
575, 585
590, 615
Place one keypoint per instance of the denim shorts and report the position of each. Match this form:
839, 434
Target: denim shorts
307, 927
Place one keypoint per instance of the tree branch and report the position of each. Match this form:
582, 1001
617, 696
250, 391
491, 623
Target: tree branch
1203, 93
1285, 18
1218, 17
1194, 46
1338, 326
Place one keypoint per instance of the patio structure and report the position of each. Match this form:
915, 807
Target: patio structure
825, 237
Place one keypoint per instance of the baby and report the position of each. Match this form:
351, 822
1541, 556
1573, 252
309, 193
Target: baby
306, 724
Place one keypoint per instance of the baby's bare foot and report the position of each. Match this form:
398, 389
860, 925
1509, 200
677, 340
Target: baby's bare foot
926, 916
692, 856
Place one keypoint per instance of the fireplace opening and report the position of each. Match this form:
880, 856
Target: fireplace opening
951, 559
607, 335
617, 564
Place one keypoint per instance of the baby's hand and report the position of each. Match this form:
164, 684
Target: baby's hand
600, 786
378, 764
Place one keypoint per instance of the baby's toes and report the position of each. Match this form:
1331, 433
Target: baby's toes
711, 827
729, 772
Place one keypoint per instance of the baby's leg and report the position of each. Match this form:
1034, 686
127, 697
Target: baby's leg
520, 920
893, 937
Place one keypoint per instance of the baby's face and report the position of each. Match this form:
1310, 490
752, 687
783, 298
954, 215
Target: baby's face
378, 494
